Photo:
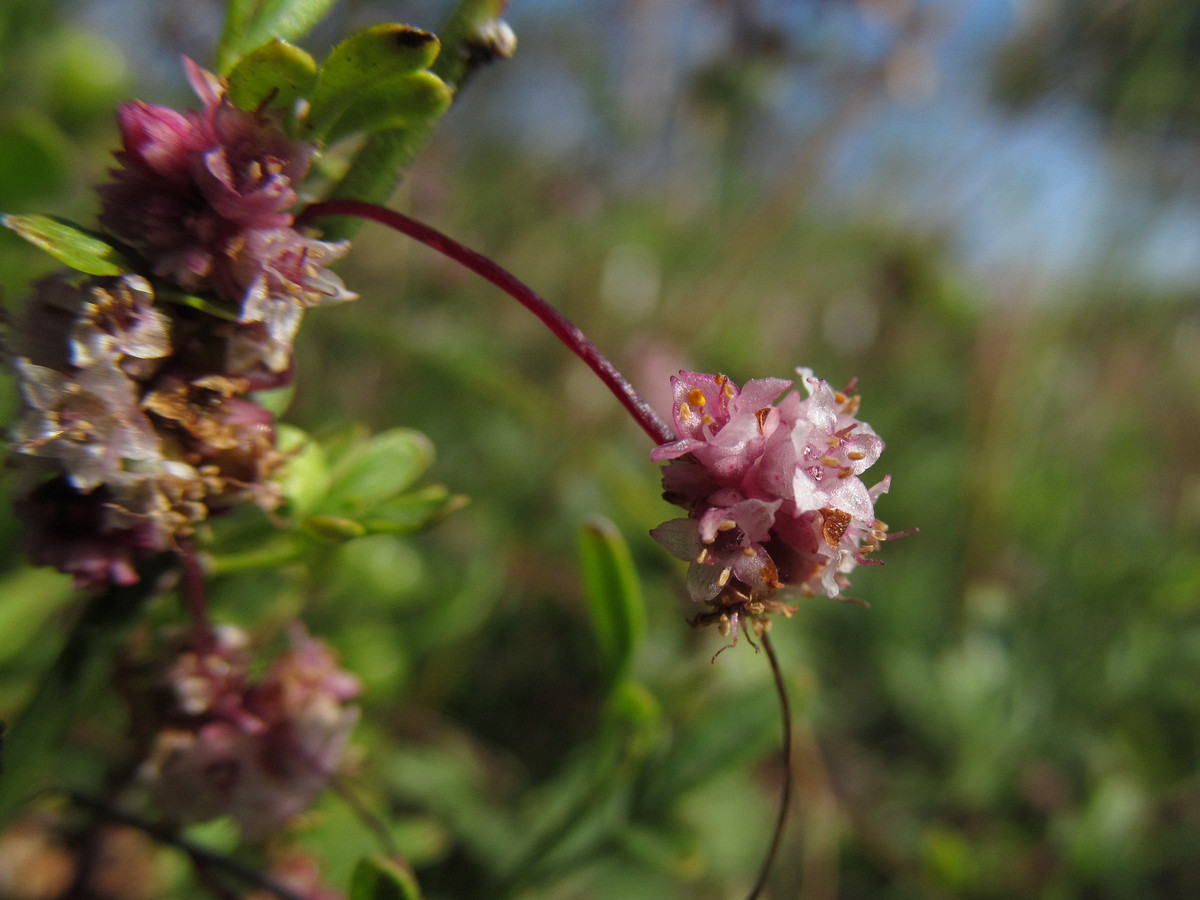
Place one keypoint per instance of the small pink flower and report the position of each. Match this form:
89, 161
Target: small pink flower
259, 751
772, 490
207, 198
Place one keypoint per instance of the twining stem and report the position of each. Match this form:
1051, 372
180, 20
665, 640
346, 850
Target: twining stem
575, 340
201, 857
785, 801
194, 593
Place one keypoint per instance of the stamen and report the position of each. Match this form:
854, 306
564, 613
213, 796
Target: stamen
696, 397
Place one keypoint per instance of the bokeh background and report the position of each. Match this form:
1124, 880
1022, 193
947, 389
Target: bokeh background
987, 212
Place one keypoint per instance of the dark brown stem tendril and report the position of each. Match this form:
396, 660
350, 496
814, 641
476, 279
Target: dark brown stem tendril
202, 858
785, 800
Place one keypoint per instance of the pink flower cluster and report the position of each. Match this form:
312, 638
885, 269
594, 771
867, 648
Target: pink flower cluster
138, 416
259, 751
773, 492
207, 198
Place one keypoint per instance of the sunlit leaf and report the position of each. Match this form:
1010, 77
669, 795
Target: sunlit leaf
360, 62
394, 103
277, 72
250, 23
69, 244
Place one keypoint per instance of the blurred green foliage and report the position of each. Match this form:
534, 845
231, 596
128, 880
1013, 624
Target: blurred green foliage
1017, 712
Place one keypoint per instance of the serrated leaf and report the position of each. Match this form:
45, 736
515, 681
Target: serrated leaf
250, 23
277, 72
69, 244
395, 103
377, 471
381, 878
359, 63
613, 594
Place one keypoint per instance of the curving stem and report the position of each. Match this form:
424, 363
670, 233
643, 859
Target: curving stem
785, 801
565, 330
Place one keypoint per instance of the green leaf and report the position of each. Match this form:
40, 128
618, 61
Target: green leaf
614, 596
411, 512
469, 35
250, 23
277, 72
305, 477
377, 471
38, 734
394, 103
360, 62
69, 244
334, 528
380, 878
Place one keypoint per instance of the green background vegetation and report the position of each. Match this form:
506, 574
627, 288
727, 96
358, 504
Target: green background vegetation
1015, 714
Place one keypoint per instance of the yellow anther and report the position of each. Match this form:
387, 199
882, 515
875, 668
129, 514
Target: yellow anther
696, 397
727, 525
685, 412
856, 454
834, 440
830, 461
723, 579
749, 551
709, 420
840, 397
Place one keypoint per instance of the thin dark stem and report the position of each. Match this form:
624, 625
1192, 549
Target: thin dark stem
366, 815
202, 858
194, 593
575, 340
785, 801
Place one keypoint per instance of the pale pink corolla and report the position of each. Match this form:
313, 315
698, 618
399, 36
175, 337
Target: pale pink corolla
773, 490
258, 751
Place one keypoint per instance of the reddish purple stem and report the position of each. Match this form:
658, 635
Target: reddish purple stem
660, 432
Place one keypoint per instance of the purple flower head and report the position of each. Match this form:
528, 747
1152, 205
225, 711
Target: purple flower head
772, 490
73, 533
258, 751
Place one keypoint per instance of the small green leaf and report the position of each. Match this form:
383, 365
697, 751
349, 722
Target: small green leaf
334, 528
250, 23
69, 244
613, 594
375, 472
411, 512
381, 878
305, 476
394, 103
359, 63
277, 72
